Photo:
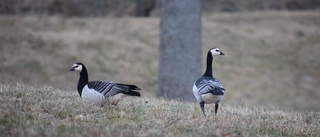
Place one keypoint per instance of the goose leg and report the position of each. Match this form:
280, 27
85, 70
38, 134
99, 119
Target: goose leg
202, 107
216, 108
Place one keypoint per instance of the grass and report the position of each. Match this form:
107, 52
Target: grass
45, 111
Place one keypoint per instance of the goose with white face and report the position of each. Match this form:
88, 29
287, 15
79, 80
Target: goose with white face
99, 92
207, 89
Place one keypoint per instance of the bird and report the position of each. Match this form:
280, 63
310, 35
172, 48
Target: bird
101, 92
207, 89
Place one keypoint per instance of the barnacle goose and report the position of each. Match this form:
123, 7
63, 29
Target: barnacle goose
101, 92
208, 89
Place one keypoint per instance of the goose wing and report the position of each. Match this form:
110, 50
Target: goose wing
108, 88
209, 85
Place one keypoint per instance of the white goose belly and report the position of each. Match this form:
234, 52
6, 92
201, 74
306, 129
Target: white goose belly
92, 96
210, 98
96, 98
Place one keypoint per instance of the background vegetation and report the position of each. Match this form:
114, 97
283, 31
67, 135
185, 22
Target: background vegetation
119, 8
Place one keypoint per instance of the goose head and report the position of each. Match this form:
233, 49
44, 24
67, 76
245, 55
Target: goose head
77, 67
216, 52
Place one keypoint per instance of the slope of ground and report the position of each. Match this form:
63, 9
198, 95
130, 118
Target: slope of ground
45, 111
271, 58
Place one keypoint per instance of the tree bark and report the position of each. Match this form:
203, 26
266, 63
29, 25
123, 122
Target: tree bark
180, 48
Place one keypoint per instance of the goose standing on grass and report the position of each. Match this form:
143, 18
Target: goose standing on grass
101, 92
208, 89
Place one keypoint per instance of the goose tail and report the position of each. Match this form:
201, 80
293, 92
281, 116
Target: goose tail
128, 86
133, 93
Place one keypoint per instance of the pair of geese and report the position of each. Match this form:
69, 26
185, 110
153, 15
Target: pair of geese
207, 89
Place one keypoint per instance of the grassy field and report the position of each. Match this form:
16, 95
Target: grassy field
46, 111
270, 72
271, 58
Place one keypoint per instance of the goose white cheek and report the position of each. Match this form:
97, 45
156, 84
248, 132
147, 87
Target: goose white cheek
78, 68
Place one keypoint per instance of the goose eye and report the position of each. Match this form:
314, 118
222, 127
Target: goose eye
217, 50
75, 66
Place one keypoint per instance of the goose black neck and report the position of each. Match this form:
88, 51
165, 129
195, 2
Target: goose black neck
208, 72
83, 80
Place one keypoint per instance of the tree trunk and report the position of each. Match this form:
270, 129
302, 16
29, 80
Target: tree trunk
180, 48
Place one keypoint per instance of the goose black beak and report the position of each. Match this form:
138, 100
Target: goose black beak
72, 69
221, 53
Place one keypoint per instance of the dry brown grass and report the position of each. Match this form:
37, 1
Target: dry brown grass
271, 57
46, 111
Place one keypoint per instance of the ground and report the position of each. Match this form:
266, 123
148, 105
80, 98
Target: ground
45, 111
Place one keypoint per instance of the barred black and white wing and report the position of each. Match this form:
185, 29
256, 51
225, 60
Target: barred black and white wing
209, 85
108, 88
